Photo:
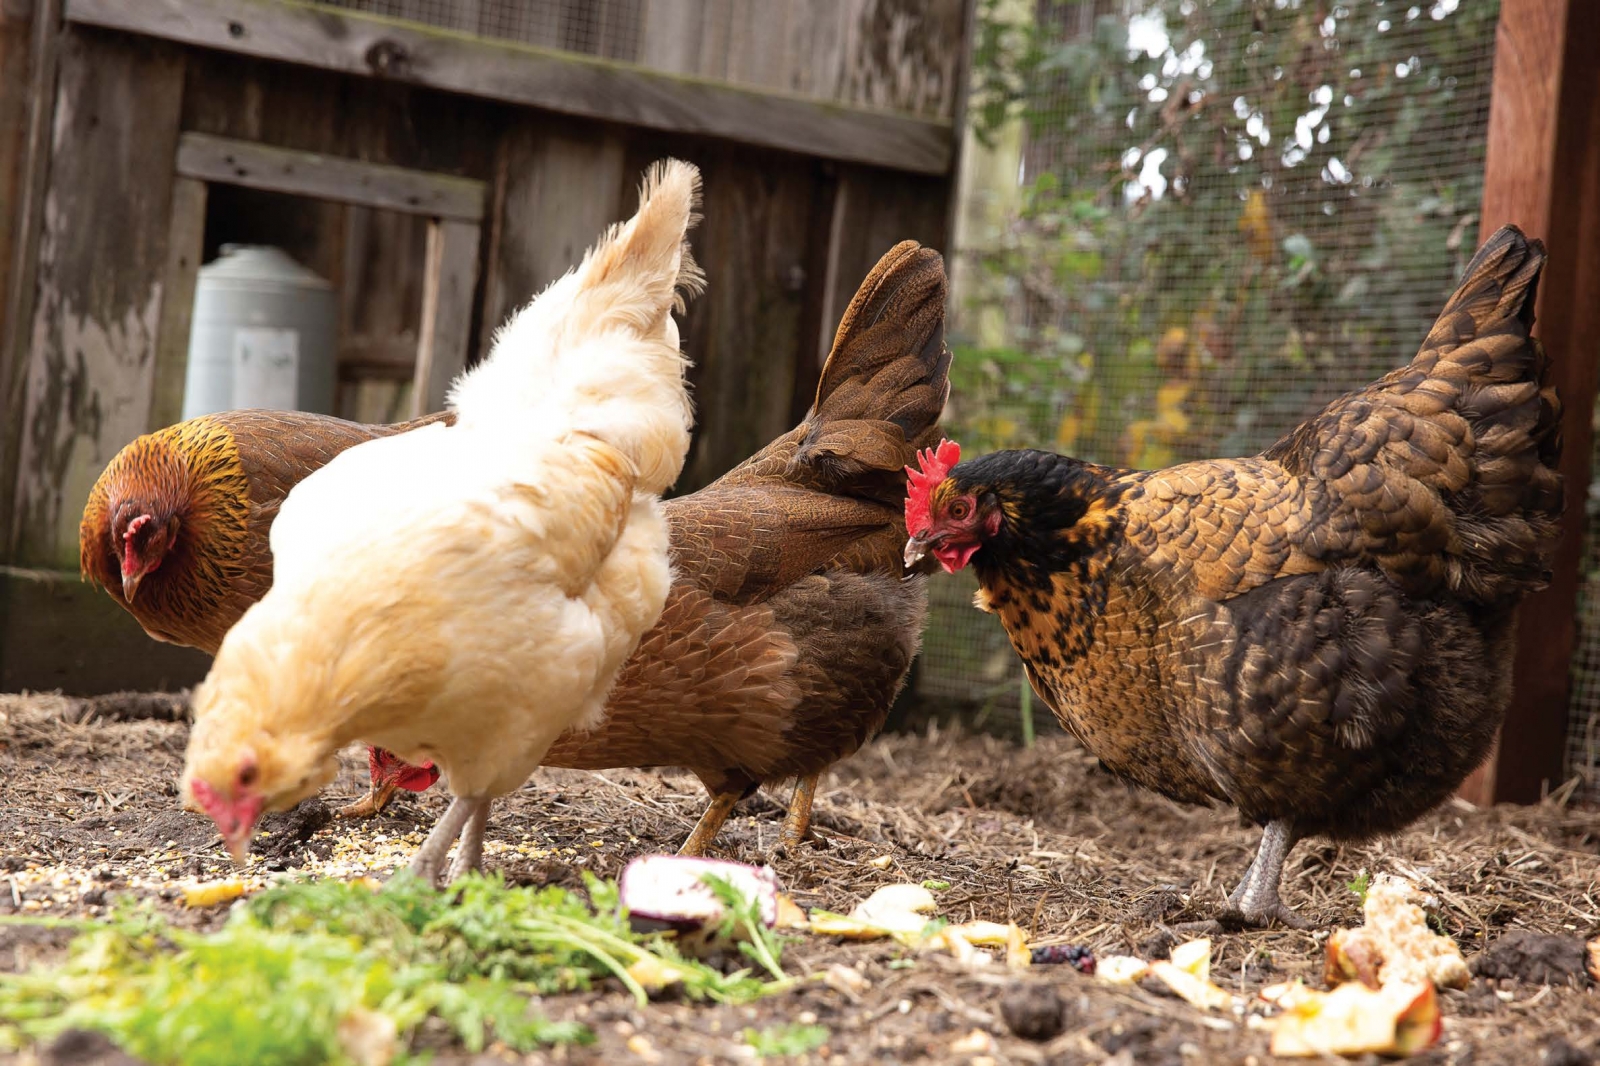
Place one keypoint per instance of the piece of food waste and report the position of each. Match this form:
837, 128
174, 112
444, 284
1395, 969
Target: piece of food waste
1187, 971
1401, 1018
1074, 955
673, 891
213, 893
899, 911
1395, 944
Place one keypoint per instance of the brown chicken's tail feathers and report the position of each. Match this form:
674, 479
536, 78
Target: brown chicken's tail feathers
597, 352
887, 378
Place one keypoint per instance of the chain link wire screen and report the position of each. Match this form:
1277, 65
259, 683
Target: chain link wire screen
1188, 224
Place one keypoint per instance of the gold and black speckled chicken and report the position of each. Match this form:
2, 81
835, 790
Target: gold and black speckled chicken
1320, 635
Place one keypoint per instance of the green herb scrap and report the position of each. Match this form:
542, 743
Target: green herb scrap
741, 920
323, 971
781, 1040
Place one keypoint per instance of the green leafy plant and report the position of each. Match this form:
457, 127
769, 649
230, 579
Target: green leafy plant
742, 922
312, 971
1359, 886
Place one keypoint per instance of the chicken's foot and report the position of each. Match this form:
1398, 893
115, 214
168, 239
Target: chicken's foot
373, 803
798, 822
710, 824
469, 855
429, 858
1255, 902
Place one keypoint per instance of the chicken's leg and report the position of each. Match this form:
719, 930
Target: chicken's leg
798, 822
469, 856
430, 857
710, 823
1255, 902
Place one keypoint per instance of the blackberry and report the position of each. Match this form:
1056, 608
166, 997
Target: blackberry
1080, 959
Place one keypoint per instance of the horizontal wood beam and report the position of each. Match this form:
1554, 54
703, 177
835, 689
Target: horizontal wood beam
516, 73
262, 166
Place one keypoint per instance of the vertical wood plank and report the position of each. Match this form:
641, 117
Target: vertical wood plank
101, 257
185, 244
873, 211
745, 332
449, 279
28, 96
556, 187
1543, 174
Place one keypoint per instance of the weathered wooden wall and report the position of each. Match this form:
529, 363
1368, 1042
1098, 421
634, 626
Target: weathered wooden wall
786, 237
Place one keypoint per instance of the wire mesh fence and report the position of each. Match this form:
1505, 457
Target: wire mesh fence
1191, 223
877, 54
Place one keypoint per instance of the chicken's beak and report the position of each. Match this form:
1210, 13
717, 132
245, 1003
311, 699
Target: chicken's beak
916, 548
130, 585
238, 843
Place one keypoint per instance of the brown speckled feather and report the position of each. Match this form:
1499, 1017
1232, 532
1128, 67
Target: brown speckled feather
1319, 634
224, 477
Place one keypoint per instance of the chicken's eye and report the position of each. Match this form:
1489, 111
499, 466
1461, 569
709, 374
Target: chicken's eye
960, 509
247, 776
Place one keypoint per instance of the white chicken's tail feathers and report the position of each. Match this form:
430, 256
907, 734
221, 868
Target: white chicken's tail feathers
597, 351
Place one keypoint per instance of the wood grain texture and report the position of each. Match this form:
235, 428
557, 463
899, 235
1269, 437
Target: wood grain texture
893, 55
102, 254
744, 333
556, 186
29, 62
555, 81
449, 278
260, 166
1543, 174
185, 245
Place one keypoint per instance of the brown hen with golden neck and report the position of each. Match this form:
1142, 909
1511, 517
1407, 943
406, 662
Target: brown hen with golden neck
175, 529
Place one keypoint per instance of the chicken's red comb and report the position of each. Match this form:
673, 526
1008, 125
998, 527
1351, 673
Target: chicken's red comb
935, 464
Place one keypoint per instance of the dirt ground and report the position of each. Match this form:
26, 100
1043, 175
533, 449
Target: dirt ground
88, 811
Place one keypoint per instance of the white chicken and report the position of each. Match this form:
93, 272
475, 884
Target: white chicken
463, 594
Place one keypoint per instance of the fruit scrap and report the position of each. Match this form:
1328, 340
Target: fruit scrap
1593, 948
1395, 944
1079, 958
1121, 969
962, 941
899, 911
1188, 973
1401, 1018
212, 892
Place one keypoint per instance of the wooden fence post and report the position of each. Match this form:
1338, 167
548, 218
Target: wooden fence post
1543, 174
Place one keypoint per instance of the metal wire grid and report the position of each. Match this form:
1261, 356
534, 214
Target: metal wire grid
591, 27
1583, 723
1227, 213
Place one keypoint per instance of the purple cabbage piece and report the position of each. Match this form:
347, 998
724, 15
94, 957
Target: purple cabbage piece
669, 891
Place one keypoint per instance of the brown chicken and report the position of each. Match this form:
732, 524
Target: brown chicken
789, 628
1320, 635
175, 529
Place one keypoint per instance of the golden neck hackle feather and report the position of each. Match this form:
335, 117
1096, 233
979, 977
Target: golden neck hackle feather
191, 470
